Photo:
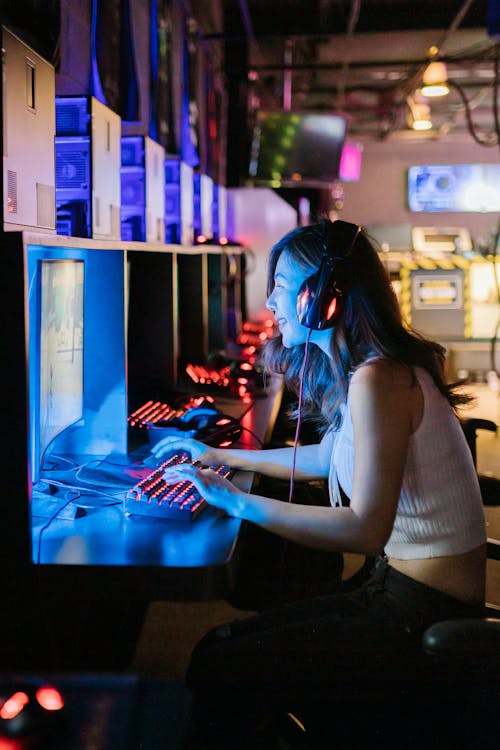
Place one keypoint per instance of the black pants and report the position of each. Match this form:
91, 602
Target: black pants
273, 571
329, 645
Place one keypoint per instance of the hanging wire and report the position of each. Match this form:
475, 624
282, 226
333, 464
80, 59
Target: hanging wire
299, 417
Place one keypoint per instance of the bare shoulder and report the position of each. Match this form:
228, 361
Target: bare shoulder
385, 391
384, 374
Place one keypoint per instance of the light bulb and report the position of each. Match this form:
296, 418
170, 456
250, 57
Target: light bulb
434, 80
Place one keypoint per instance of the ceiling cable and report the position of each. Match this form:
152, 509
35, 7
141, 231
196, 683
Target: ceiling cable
351, 27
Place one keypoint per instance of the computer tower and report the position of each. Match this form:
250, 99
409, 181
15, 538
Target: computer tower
142, 189
219, 212
28, 124
88, 160
179, 197
206, 200
203, 194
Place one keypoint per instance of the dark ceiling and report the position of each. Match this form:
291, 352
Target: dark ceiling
366, 59
317, 17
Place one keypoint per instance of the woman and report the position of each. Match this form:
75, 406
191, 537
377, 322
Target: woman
402, 482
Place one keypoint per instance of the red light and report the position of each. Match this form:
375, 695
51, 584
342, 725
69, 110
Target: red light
225, 444
222, 421
49, 698
245, 366
242, 391
14, 705
243, 381
223, 240
201, 238
331, 308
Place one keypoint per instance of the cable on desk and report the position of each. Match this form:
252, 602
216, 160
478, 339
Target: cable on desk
46, 525
57, 459
80, 490
253, 434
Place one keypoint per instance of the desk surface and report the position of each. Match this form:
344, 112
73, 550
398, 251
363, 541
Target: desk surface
161, 559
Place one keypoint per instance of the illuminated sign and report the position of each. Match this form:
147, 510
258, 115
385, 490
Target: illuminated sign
438, 291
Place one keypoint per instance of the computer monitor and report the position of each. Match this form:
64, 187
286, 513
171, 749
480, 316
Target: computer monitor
296, 149
76, 365
60, 377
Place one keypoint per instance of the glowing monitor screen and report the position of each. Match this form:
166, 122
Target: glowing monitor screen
454, 187
61, 348
295, 149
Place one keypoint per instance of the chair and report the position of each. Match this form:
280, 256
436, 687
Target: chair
490, 486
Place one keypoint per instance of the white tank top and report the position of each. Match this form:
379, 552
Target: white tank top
440, 510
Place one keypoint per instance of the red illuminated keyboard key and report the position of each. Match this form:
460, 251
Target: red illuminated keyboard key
152, 496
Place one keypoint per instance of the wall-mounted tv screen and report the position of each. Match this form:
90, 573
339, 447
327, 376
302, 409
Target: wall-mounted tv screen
296, 149
454, 187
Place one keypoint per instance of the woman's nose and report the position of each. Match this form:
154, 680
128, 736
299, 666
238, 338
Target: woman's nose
270, 302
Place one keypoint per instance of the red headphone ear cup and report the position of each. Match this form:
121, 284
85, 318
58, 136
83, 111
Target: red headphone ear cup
332, 309
318, 300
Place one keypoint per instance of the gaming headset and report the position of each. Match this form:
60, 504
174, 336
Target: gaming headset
321, 297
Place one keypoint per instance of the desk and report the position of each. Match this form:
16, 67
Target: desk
150, 558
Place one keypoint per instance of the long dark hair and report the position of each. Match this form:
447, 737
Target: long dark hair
369, 325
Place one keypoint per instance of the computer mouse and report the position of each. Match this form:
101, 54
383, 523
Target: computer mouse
219, 430
32, 709
198, 416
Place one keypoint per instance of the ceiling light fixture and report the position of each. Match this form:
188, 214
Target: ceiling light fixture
435, 80
419, 115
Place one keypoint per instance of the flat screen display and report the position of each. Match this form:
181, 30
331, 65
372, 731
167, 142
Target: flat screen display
61, 349
296, 149
454, 187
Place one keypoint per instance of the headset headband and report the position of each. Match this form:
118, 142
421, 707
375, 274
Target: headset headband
336, 236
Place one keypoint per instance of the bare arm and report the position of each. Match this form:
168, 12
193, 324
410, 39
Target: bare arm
382, 408
312, 461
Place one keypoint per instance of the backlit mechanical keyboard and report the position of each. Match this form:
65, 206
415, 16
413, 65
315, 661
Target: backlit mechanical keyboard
156, 412
152, 496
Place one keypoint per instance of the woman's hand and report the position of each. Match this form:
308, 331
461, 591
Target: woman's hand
197, 450
216, 490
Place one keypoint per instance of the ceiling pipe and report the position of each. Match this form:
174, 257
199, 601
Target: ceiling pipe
351, 26
287, 76
369, 63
